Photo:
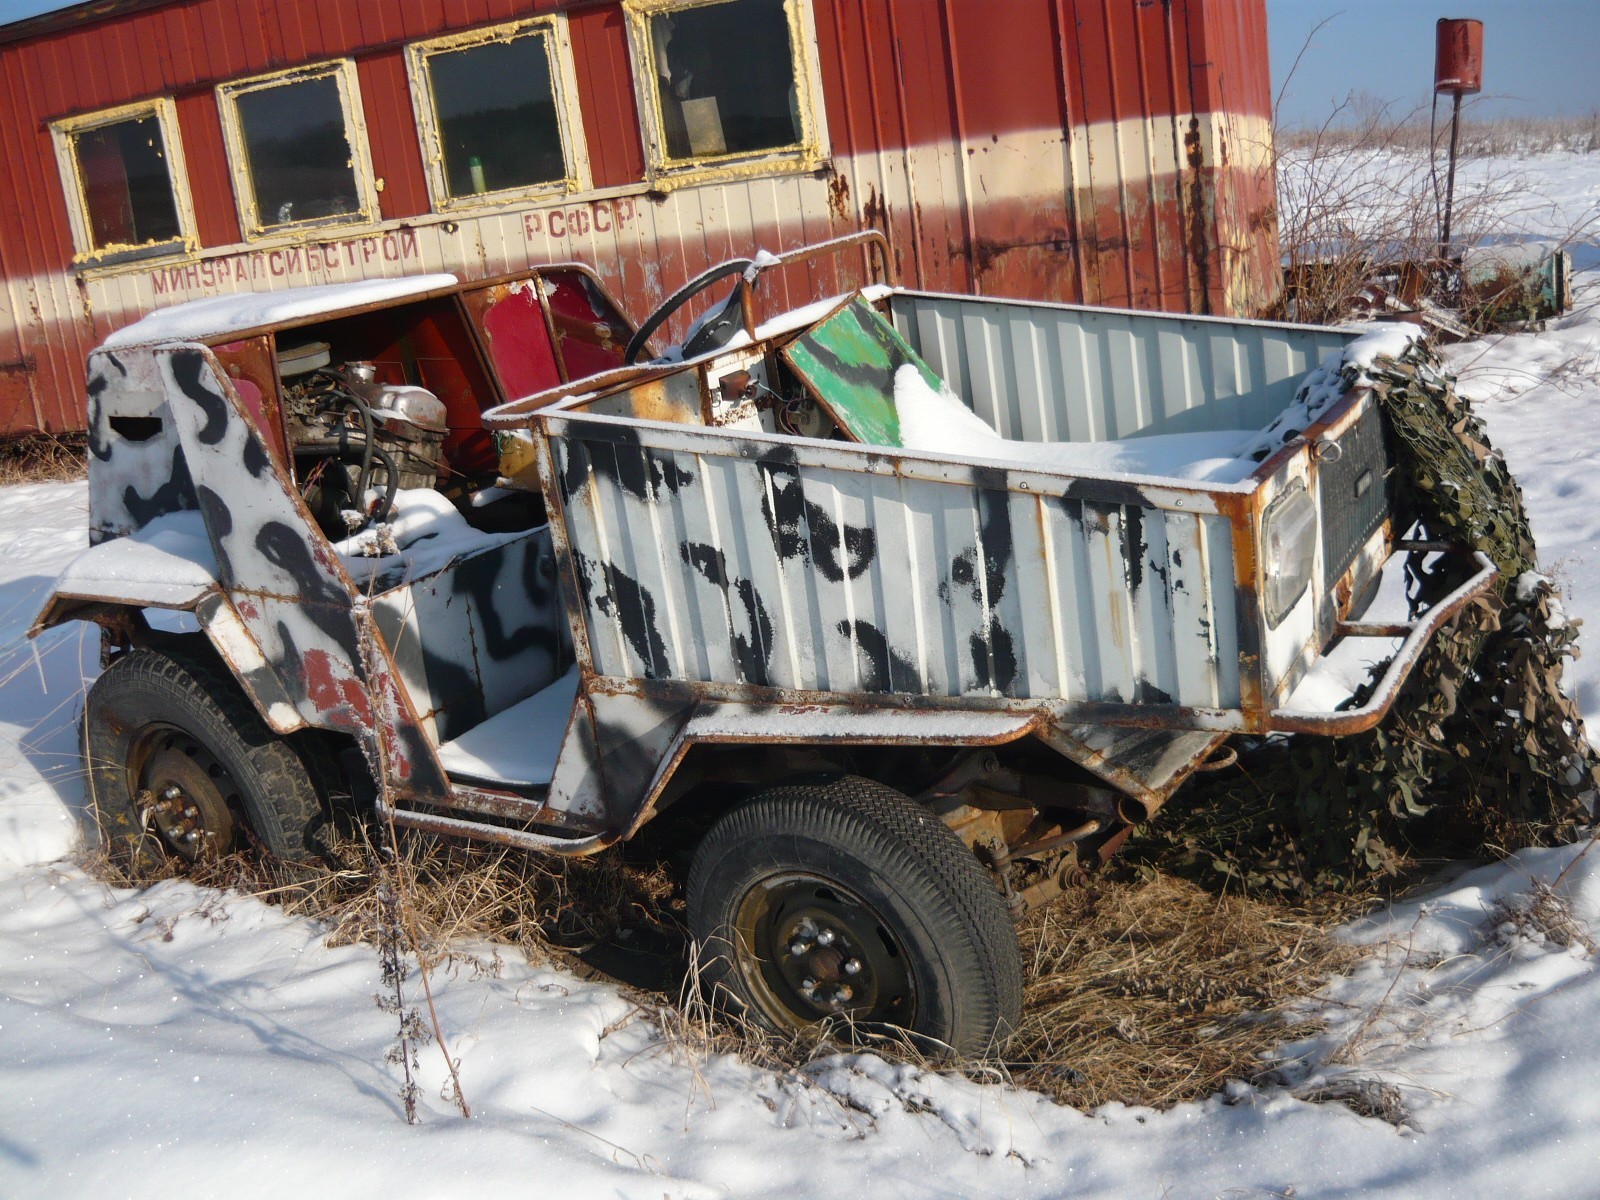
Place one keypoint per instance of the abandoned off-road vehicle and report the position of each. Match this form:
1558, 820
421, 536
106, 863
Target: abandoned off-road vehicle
903, 675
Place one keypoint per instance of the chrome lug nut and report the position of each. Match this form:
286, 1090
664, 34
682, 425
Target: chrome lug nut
826, 937
798, 947
852, 966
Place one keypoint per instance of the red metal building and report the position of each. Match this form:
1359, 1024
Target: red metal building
1107, 151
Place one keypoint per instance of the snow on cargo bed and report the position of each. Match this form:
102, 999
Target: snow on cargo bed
880, 391
936, 420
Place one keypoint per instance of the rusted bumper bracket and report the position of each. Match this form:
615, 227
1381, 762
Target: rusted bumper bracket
1417, 635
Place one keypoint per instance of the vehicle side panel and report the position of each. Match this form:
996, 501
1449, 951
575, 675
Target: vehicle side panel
704, 557
478, 636
137, 467
289, 589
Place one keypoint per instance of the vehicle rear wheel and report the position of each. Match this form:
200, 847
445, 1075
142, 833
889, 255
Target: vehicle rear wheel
846, 901
180, 766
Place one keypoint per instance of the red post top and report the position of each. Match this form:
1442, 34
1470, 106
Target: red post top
1458, 56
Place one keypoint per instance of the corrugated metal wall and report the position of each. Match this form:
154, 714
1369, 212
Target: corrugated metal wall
1107, 151
1038, 373
739, 560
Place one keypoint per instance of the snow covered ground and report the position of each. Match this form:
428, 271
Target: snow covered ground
1372, 195
179, 1042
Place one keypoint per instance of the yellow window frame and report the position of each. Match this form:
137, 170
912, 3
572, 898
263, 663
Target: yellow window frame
64, 134
343, 72
563, 80
665, 173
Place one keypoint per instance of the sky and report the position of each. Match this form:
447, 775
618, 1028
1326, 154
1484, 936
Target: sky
1538, 54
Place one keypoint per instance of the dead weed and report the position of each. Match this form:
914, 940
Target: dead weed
43, 458
1148, 992
1157, 992
1541, 915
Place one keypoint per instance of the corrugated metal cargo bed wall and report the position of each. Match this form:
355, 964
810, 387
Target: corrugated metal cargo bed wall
1058, 372
738, 559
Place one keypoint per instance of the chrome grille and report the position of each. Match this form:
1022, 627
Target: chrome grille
1357, 491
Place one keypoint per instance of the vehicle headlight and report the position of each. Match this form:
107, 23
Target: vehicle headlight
1289, 546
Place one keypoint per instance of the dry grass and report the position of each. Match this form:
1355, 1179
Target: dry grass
1147, 992
42, 458
1539, 915
1157, 992
458, 893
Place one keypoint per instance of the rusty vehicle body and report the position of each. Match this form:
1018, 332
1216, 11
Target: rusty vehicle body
704, 595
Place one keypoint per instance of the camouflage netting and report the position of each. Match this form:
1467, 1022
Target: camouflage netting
1482, 752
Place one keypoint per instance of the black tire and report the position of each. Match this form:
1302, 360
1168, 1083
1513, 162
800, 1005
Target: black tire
173, 749
803, 880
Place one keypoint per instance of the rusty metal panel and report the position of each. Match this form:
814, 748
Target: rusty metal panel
710, 557
1048, 372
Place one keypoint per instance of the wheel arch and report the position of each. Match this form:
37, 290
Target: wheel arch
125, 625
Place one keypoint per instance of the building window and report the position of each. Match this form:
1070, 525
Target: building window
726, 82
493, 114
299, 157
124, 179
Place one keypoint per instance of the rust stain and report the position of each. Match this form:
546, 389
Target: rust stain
334, 694
1040, 252
839, 196
1199, 248
874, 211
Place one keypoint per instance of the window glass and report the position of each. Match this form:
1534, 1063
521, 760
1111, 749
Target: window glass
301, 164
495, 108
123, 170
725, 79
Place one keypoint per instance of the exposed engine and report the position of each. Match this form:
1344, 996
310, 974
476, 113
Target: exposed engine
355, 441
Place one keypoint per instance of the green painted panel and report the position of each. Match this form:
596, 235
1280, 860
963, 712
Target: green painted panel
848, 362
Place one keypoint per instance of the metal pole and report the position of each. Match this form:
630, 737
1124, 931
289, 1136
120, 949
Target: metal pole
1450, 179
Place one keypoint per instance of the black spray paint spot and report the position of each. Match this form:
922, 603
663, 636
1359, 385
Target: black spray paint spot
885, 669
177, 494
188, 370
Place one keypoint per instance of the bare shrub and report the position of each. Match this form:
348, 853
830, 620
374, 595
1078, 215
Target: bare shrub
1361, 199
1541, 915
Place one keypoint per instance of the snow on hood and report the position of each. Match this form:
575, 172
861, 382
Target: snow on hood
250, 310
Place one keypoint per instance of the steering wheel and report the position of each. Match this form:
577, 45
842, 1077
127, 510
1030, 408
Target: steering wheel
714, 331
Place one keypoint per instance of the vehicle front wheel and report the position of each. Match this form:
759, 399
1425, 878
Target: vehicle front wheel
845, 901
179, 765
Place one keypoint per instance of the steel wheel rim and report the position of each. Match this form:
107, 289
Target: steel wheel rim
811, 950
184, 794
